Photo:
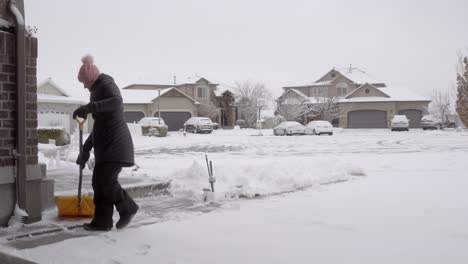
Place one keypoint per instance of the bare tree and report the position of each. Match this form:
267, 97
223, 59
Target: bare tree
326, 108
293, 112
440, 105
209, 110
251, 95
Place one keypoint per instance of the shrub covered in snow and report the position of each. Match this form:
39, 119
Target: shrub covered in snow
462, 93
58, 134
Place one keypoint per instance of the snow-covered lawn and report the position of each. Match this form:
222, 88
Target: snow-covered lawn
393, 197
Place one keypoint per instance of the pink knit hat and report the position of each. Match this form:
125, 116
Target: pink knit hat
88, 72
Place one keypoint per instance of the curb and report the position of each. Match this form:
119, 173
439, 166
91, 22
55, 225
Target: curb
138, 190
143, 190
7, 258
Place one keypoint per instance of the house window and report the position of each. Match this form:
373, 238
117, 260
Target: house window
342, 89
202, 92
367, 91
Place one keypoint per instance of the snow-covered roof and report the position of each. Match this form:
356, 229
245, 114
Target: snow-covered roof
358, 76
322, 83
141, 96
396, 94
57, 99
56, 86
222, 88
147, 96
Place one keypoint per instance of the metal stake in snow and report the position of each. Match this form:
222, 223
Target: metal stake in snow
211, 178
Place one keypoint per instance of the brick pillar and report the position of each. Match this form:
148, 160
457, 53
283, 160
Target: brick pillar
8, 122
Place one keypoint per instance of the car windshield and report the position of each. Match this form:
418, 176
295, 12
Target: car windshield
204, 121
152, 121
321, 123
428, 118
399, 118
291, 123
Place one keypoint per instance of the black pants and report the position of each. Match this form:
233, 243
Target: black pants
107, 193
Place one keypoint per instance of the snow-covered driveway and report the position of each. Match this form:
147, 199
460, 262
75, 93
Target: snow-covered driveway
403, 200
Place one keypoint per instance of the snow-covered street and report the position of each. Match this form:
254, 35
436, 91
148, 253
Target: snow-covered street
359, 196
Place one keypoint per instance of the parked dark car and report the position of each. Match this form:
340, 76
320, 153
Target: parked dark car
199, 125
432, 122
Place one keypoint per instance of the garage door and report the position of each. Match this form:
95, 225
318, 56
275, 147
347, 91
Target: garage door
133, 116
367, 119
48, 119
414, 117
174, 120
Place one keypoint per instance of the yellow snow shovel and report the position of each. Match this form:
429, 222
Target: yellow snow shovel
76, 206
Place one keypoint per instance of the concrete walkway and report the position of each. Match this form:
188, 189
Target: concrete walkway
153, 209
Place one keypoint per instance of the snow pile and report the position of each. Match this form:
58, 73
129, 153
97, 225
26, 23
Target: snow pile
17, 219
250, 178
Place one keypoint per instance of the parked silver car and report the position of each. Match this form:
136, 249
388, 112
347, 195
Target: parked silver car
199, 125
400, 122
151, 121
319, 127
289, 128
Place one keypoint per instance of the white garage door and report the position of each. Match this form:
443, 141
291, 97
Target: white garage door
48, 119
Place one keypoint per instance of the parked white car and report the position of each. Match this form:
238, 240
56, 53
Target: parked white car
151, 121
199, 125
400, 122
319, 127
289, 128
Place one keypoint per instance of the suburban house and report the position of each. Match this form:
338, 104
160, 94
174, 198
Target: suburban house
360, 100
179, 102
55, 107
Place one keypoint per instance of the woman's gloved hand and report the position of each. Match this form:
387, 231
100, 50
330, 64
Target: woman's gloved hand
83, 157
81, 112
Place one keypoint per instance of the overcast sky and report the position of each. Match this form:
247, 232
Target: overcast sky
410, 43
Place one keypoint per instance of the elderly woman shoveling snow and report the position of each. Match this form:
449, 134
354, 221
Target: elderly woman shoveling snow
113, 148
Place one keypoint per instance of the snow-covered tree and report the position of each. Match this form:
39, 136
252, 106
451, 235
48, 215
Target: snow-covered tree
251, 95
462, 92
441, 104
293, 112
325, 107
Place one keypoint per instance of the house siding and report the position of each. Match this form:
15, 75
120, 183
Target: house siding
173, 104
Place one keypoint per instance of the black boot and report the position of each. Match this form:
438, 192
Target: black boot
93, 227
126, 217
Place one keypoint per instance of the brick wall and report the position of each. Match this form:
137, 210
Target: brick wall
8, 99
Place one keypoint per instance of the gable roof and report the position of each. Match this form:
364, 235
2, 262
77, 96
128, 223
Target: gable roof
366, 86
133, 96
353, 74
54, 85
292, 90
358, 76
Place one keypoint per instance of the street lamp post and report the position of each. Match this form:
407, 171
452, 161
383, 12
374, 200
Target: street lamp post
159, 102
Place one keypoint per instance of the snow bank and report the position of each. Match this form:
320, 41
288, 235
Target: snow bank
249, 178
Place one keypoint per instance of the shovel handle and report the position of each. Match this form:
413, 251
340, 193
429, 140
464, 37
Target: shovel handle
80, 122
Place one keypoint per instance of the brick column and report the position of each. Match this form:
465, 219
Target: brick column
8, 123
